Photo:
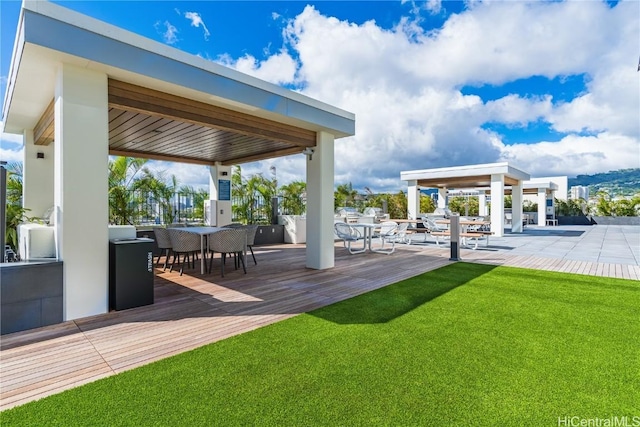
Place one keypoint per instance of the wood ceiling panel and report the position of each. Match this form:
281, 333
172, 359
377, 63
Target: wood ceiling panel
156, 125
135, 128
43, 132
135, 98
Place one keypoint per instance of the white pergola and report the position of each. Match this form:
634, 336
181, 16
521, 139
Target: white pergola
80, 89
494, 176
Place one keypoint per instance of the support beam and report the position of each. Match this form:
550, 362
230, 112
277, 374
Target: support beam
442, 197
81, 189
320, 169
542, 206
220, 193
482, 204
497, 204
413, 200
37, 176
516, 208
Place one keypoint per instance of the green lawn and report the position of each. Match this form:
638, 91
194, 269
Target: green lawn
466, 344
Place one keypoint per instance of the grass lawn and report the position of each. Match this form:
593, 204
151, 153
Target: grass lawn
466, 344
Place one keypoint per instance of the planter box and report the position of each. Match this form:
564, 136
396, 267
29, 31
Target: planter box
30, 295
269, 235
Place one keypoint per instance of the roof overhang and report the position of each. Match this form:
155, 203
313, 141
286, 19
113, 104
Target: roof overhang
282, 121
465, 177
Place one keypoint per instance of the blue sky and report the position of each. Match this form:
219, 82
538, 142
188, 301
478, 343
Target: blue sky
551, 87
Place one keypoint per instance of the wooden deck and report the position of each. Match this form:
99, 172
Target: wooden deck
194, 310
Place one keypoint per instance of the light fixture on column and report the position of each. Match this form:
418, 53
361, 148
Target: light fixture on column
39, 155
308, 152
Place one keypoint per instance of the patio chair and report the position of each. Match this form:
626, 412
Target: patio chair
388, 233
230, 241
185, 243
252, 229
431, 225
437, 231
163, 241
349, 235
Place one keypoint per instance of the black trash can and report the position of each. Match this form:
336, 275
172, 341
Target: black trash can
130, 273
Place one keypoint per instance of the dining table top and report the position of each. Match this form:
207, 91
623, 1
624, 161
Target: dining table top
201, 230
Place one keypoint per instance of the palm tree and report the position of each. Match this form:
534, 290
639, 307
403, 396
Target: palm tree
123, 181
293, 202
344, 195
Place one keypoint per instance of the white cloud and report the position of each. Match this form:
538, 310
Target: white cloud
404, 87
10, 155
169, 32
196, 176
279, 68
196, 21
581, 155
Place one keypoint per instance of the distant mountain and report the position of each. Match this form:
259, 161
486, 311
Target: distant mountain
623, 182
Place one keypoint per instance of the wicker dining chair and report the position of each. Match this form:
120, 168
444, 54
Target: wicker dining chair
163, 241
228, 241
252, 229
185, 243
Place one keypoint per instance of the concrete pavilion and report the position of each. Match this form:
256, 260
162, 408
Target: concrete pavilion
80, 89
495, 176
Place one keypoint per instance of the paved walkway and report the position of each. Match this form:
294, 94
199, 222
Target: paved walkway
609, 244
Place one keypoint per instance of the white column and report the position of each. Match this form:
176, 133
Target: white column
37, 176
516, 208
220, 193
413, 199
542, 206
81, 152
482, 204
497, 204
320, 167
442, 198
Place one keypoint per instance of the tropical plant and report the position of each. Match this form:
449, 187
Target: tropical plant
464, 205
344, 195
508, 201
197, 200
571, 207
124, 174
252, 197
293, 202
426, 204
15, 212
529, 206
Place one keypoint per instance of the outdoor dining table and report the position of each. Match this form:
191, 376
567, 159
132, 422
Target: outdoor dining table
202, 231
368, 234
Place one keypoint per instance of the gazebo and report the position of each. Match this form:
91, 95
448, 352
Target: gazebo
495, 176
80, 89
